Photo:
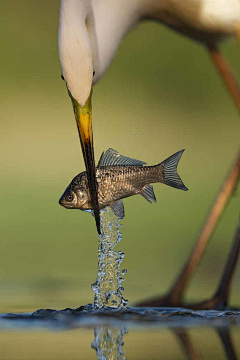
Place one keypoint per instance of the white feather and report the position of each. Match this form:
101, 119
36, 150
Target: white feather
90, 31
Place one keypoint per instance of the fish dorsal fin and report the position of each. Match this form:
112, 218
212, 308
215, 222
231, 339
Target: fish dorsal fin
118, 209
148, 193
113, 158
100, 160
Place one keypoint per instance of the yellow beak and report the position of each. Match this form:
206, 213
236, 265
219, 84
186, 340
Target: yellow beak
83, 116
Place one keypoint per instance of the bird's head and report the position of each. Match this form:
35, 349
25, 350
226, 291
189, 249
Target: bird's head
89, 35
76, 58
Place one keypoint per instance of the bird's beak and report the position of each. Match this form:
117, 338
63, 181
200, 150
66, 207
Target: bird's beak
83, 116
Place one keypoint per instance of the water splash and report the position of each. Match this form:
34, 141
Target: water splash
108, 286
108, 342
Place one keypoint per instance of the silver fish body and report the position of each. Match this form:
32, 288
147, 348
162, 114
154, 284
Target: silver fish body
119, 177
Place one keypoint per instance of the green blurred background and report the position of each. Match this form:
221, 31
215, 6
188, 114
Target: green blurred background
161, 94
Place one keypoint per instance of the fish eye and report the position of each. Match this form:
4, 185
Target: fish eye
69, 198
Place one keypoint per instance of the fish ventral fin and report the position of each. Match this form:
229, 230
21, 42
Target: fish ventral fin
118, 209
171, 176
148, 193
113, 158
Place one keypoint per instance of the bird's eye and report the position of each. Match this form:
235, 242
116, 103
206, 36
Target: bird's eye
69, 198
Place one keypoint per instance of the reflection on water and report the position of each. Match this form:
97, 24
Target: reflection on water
108, 342
191, 351
226, 339
108, 286
136, 334
186, 344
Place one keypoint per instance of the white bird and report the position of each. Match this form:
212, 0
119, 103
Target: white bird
90, 31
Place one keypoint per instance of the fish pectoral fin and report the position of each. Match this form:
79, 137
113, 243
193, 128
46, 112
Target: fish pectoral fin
113, 158
148, 193
118, 209
89, 211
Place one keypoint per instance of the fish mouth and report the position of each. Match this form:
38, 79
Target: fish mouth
83, 116
66, 204
63, 202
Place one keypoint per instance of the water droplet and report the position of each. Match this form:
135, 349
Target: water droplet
124, 271
109, 261
88, 307
136, 135
124, 302
121, 280
94, 286
121, 254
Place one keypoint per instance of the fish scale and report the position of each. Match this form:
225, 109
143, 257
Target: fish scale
131, 178
119, 177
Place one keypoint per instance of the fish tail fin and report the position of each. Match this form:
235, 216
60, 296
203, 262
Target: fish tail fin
170, 175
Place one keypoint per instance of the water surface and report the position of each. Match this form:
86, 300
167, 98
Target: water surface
132, 334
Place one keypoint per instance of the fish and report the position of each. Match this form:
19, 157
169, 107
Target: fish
119, 177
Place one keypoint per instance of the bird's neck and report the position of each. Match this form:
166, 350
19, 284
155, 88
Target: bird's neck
75, 48
111, 21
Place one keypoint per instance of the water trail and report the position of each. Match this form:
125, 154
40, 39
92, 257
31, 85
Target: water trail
108, 286
108, 342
